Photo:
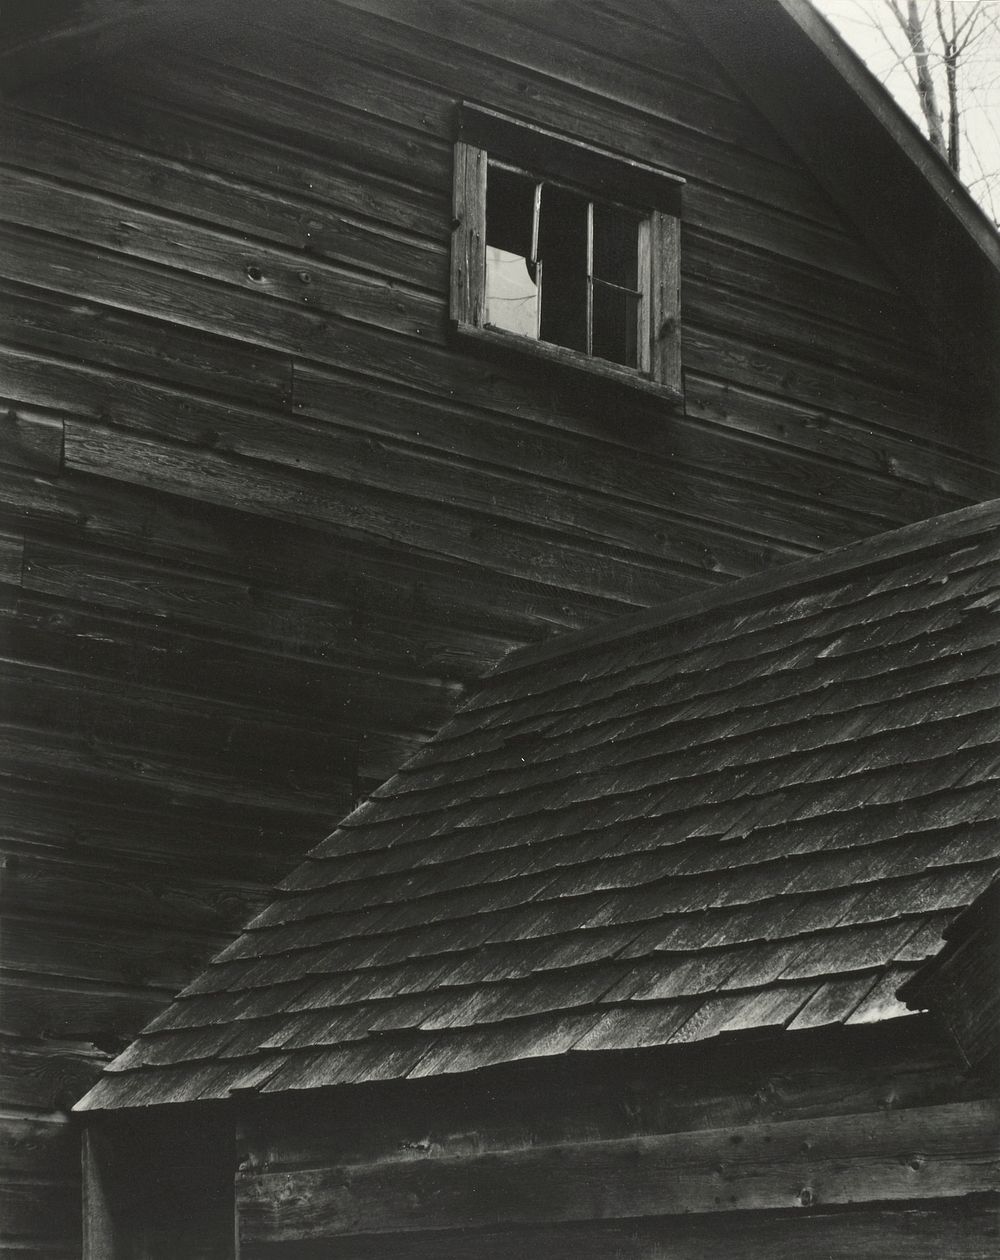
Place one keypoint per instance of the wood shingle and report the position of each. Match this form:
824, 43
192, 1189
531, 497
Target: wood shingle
758, 809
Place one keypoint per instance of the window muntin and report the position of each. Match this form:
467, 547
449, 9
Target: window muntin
550, 254
562, 267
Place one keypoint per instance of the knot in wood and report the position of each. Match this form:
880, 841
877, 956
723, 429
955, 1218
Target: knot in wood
806, 1197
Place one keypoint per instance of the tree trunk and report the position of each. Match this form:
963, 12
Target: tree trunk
925, 81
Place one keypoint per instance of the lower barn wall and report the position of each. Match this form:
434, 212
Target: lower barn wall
852, 1145
965, 1230
778, 1147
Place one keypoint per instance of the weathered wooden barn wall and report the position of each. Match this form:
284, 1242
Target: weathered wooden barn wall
688, 1152
261, 519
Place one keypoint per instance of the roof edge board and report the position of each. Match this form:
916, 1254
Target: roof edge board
886, 180
903, 131
923, 537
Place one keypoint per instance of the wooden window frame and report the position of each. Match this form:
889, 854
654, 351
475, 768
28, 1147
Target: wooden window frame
600, 176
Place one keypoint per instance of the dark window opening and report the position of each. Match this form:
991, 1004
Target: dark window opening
562, 268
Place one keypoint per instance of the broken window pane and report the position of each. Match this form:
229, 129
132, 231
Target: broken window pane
510, 210
511, 272
511, 293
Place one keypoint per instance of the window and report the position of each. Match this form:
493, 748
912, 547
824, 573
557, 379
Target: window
566, 252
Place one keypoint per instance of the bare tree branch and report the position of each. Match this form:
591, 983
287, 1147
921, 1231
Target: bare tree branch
949, 51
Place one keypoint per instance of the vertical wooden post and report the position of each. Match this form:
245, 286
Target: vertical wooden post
468, 241
665, 313
98, 1227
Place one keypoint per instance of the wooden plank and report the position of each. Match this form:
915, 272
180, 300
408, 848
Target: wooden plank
739, 219
665, 299
747, 215
961, 1231
45, 1076
819, 335
38, 1146
363, 512
201, 420
39, 1214
901, 472
394, 467
31, 437
11, 559
594, 52
136, 405
674, 468
98, 1227
146, 127
54, 42
717, 1084
660, 458
935, 1152
352, 85
382, 581
319, 71
357, 349
104, 1016
885, 317
210, 844
204, 141
263, 269
74, 943
301, 224
73, 328
324, 125
663, 45
37, 752
194, 666
132, 284
818, 385
971, 523
468, 240
289, 624
224, 738
48, 759
442, 45
587, 58
114, 888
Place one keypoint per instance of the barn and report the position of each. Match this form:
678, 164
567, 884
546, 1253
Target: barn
679, 938
348, 347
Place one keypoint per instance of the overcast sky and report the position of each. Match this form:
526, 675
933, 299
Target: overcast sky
870, 28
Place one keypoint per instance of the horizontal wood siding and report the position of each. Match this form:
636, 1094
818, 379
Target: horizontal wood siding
261, 519
834, 1161
963, 1231
818, 1134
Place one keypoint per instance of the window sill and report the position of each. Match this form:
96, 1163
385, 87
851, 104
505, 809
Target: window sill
572, 360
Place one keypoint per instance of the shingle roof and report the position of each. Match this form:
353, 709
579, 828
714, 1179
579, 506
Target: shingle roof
758, 808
